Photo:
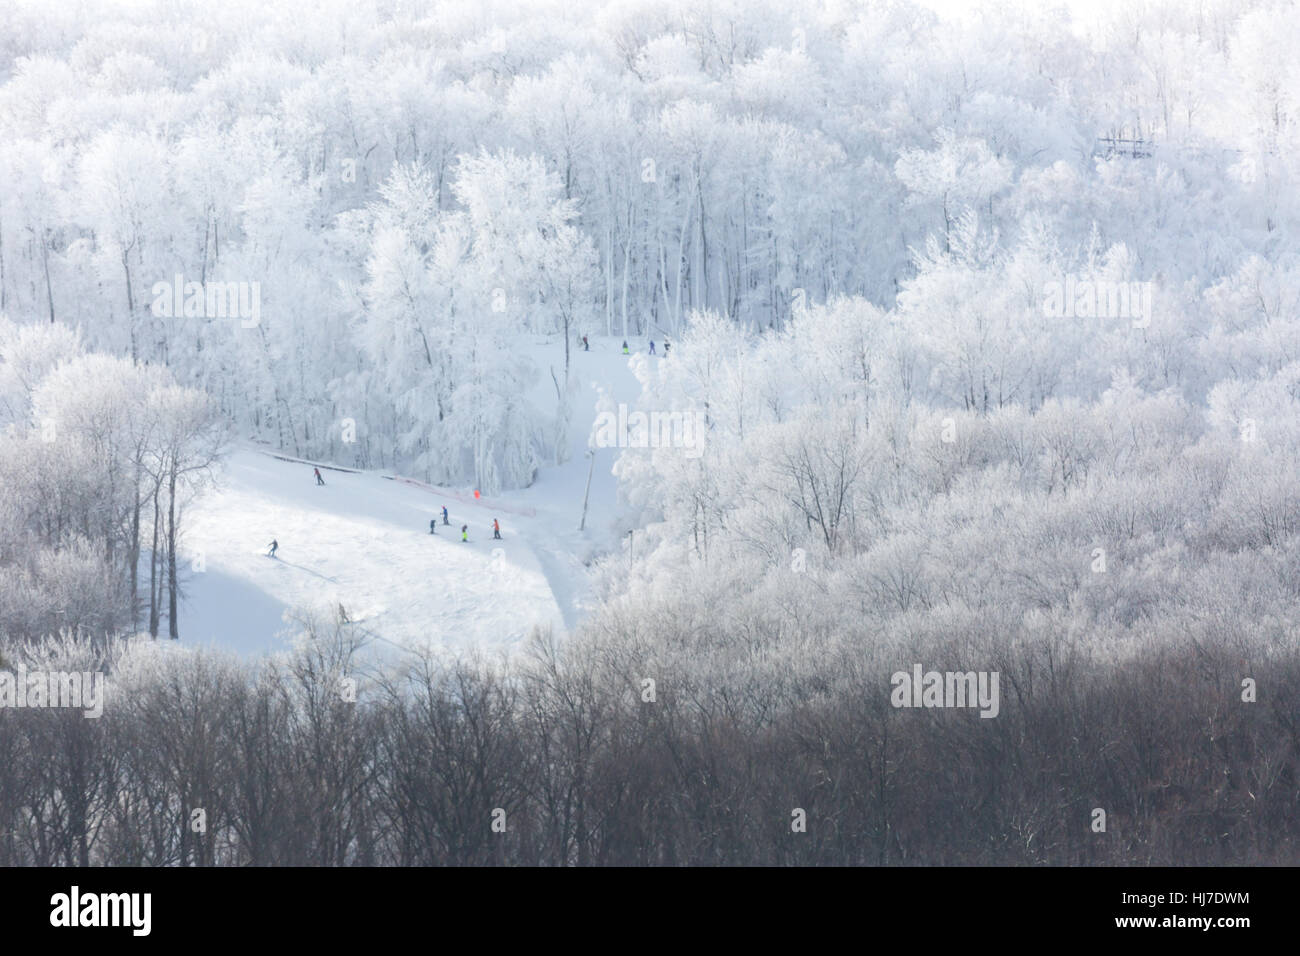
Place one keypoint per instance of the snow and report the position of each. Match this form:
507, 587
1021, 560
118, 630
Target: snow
362, 539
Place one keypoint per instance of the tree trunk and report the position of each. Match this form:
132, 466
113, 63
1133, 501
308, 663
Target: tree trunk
154, 591
627, 260
173, 628
587, 494
130, 305
45, 261
133, 555
609, 278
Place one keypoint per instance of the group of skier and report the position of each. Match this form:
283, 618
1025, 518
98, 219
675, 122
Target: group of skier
586, 346
652, 348
464, 529
274, 546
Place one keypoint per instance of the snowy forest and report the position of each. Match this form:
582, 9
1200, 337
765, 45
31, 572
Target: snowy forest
990, 321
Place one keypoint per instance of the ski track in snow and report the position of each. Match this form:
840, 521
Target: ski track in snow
362, 541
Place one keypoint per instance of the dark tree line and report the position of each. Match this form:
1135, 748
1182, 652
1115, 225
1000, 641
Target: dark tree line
577, 767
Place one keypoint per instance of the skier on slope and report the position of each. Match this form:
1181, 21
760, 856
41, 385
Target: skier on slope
625, 352
433, 526
319, 479
652, 346
275, 546
444, 515
464, 533
585, 347
496, 529
665, 348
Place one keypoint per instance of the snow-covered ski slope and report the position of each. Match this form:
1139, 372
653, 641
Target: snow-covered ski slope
362, 540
